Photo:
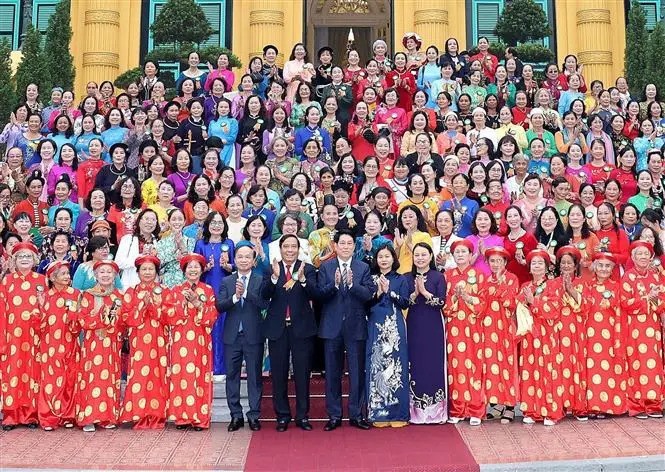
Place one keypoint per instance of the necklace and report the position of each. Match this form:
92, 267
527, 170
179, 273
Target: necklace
513, 238
122, 172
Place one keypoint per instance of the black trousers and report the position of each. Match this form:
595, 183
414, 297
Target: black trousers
301, 351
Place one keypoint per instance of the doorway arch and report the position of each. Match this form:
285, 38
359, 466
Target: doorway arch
329, 21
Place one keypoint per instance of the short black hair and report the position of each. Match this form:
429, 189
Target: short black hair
343, 232
288, 236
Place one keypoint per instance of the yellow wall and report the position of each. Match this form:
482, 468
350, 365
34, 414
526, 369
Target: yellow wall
594, 30
106, 39
106, 32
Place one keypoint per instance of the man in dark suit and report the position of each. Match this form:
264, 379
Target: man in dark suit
240, 297
345, 286
290, 327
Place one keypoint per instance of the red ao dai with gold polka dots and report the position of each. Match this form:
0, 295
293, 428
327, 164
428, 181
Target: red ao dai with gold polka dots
59, 354
571, 343
464, 344
605, 349
541, 389
19, 338
147, 393
191, 357
500, 299
99, 369
643, 337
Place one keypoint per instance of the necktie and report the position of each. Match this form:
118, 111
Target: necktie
345, 272
288, 308
242, 299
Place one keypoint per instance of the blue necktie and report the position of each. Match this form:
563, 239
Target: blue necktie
242, 299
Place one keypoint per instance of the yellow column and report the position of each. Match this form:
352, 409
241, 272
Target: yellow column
433, 20
266, 25
261, 22
101, 56
294, 26
104, 42
594, 30
430, 21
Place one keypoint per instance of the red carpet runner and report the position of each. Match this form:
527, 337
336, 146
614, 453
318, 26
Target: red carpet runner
412, 448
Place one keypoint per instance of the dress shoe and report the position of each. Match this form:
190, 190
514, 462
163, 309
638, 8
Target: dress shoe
254, 425
182, 427
33, 426
236, 424
282, 426
332, 424
360, 423
8, 427
305, 425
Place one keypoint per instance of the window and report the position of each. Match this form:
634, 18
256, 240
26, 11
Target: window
9, 21
485, 15
215, 11
654, 11
41, 13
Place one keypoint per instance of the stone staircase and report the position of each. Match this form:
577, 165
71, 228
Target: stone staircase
220, 410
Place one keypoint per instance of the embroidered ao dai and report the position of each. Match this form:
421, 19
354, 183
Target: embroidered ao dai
427, 356
387, 370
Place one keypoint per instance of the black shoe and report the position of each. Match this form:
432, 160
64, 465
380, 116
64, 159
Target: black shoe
282, 425
198, 428
236, 424
254, 425
8, 427
305, 425
182, 427
33, 426
332, 425
360, 423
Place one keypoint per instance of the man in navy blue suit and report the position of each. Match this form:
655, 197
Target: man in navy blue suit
240, 297
345, 286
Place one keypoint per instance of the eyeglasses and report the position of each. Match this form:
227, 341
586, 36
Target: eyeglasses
216, 223
24, 256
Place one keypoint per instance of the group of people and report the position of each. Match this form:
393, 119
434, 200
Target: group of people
461, 238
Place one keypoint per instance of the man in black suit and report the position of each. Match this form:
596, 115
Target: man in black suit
290, 327
345, 286
240, 297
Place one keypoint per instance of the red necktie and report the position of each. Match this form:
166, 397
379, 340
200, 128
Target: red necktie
288, 277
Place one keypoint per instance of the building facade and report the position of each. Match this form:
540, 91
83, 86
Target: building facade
111, 36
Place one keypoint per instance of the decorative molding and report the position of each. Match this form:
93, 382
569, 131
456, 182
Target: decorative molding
430, 15
261, 17
104, 59
593, 15
595, 57
110, 17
